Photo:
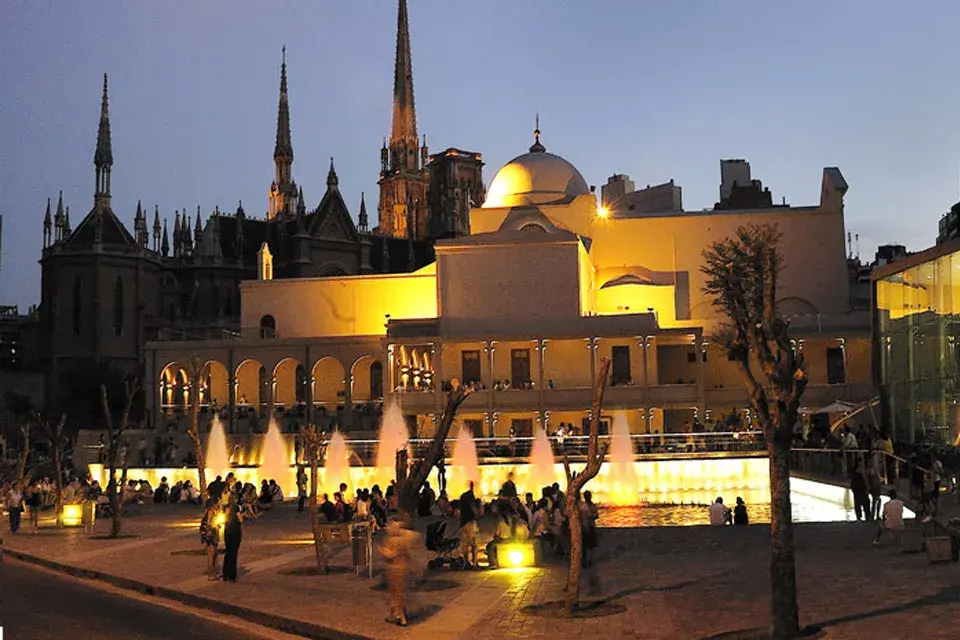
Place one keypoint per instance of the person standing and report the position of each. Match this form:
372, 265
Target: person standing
14, 502
301, 488
34, 500
861, 495
441, 475
396, 552
232, 537
210, 535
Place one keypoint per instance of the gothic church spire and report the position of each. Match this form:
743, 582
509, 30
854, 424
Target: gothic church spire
283, 191
103, 156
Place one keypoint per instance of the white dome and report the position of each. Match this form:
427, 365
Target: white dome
535, 178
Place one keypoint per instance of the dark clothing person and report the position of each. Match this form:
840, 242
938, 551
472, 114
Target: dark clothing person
441, 475
301, 488
160, 495
329, 511
740, 514
861, 497
425, 502
215, 489
509, 489
232, 536
468, 509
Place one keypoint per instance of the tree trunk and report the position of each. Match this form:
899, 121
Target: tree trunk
783, 575
22, 471
198, 453
116, 502
195, 373
57, 465
595, 456
318, 543
409, 488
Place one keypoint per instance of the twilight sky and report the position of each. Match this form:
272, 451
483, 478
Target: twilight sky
657, 90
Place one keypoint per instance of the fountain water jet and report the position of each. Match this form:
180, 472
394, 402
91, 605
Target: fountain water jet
465, 464
217, 458
336, 466
393, 437
622, 478
542, 463
275, 459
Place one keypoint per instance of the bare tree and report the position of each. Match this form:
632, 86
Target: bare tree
115, 431
742, 276
314, 449
196, 371
409, 487
55, 437
575, 484
22, 408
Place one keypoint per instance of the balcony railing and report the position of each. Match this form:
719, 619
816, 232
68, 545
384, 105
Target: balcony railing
702, 444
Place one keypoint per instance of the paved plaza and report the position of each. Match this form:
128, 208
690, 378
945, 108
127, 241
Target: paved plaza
684, 582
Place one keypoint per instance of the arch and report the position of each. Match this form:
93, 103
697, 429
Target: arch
173, 388
328, 382
796, 306
376, 380
77, 305
216, 387
291, 380
268, 326
533, 227
118, 307
360, 370
253, 385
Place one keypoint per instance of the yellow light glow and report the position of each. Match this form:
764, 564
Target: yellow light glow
220, 520
603, 212
72, 515
519, 554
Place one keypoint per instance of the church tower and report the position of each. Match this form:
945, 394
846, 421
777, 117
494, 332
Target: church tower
403, 175
283, 191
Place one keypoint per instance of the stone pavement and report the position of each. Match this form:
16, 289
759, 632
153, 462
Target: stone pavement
685, 582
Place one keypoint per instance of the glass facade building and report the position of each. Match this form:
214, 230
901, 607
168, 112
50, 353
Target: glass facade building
916, 332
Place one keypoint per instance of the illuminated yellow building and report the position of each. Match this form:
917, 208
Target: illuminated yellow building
546, 283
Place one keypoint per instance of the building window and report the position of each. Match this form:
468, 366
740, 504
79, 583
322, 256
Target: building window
77, 305
301, 384
475, 427
118, 307
470, 366
376, 380
836, 371
268, 327
522, 427
621, 365
520, 367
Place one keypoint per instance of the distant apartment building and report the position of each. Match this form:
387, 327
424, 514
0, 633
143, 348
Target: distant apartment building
619, 196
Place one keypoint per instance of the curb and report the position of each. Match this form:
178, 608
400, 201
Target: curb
279, 623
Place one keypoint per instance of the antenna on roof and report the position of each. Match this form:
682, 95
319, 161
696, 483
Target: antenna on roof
856, 237
849, 246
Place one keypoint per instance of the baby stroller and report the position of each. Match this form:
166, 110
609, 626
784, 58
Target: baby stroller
447, 549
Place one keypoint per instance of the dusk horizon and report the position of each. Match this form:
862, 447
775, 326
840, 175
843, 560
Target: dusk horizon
658, 93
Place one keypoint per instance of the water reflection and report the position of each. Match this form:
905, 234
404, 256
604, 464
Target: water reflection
812, 502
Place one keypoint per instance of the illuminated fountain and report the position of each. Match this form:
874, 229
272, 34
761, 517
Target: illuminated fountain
621, 483
543, 470
275, 462
336, 466
393, 437
465, 466
217, 458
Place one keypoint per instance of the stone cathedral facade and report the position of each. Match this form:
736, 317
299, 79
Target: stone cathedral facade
106, 291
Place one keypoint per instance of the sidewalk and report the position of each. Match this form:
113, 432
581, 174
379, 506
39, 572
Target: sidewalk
686, 582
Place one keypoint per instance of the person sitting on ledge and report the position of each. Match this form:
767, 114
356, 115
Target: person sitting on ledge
266, 496
162, 492
276, 493
719, 513
740, 513
327, 510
